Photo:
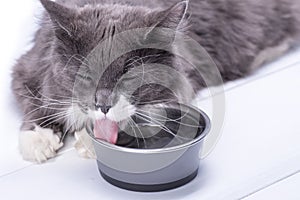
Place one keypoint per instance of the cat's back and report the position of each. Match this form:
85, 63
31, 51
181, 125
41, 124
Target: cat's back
194, 5
154, 4
216, 12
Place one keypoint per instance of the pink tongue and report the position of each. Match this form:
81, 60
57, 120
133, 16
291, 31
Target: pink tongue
106, 130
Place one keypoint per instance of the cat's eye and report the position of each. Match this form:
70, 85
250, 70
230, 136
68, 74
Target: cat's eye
130, 63
125, 70
85, 77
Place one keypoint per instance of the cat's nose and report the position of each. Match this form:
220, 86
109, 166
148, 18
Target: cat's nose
104, 108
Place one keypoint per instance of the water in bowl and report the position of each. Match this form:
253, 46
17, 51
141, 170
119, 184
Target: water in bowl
161, 128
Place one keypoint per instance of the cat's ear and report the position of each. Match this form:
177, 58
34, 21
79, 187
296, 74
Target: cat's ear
173, 17
166, 23
61, 16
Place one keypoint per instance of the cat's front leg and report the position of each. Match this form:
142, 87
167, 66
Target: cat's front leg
37, 144
84, 145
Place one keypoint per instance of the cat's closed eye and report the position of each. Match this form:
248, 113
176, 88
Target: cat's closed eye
125, 69
84, 75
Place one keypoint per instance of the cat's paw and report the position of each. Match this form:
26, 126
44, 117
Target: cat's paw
39, 144
84, 145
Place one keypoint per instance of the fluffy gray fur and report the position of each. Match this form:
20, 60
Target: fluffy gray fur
233, 32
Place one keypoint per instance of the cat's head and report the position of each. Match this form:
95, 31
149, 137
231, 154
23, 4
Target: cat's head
111, 80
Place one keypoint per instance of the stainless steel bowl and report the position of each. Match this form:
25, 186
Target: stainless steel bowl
171, 165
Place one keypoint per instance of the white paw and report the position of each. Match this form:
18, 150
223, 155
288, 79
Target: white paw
39, 145
84, 145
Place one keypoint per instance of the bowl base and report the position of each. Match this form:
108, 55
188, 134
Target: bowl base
149, 188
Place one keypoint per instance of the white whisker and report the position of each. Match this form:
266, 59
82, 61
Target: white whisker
45, 117
173, 120
52, 120
163, 127
132, 128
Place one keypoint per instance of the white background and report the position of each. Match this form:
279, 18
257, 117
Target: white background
258, 150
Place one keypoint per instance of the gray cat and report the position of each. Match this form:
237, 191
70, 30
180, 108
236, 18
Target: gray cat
71, 78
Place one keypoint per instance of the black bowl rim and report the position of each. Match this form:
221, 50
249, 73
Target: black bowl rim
161, 150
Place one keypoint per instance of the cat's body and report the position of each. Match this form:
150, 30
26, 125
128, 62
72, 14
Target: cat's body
233, 32
238, 35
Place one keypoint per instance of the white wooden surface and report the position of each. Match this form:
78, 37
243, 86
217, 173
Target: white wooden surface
259, 145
